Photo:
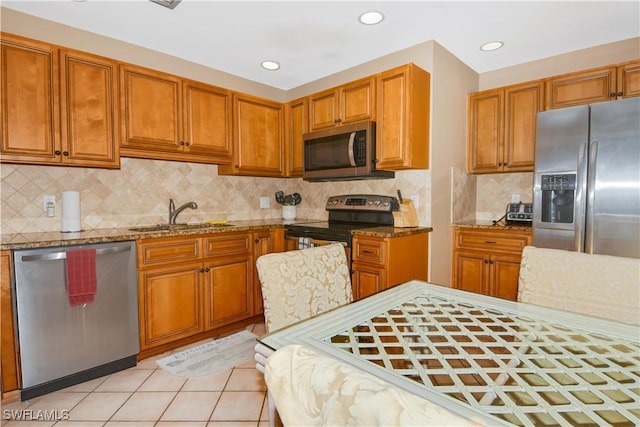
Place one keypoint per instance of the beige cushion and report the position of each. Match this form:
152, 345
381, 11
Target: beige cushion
302, 283
310, 389
597, 285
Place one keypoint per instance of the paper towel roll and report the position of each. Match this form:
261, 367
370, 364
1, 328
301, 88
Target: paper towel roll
70, 211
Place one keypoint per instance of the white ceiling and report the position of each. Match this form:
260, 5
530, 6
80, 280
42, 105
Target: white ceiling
313, 39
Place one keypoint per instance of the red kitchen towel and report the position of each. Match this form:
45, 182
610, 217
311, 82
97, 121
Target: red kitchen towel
81, 276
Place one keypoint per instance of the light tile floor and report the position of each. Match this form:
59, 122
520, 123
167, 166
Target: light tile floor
147, 396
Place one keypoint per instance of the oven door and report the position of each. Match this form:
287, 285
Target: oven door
292, 242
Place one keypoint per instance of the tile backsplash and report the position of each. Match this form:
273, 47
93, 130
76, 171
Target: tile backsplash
138, 194
494, 192
485, 197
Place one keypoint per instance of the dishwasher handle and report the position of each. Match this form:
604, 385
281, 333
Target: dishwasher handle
52, 256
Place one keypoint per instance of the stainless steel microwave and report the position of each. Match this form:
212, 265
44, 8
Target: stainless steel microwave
342, 153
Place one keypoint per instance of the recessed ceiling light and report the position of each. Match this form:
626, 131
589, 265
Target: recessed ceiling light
491, 46
371, 18
270, 65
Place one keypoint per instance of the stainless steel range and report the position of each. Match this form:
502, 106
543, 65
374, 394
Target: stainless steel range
346, 213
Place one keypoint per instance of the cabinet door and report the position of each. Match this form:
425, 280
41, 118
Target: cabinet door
297, 122
469, 271
258, 137
357, 101
581, 88
323, 109
262, 244
402, 124
9, 353
29, 96
170, 305
349, 103
88, 110
367, 280
505, 270
207, 121
228, 290
150, 110
522, 105
629, 80
485, 131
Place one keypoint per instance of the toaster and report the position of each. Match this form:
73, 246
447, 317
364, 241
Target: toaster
520, 213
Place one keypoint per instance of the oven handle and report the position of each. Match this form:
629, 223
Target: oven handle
317, 242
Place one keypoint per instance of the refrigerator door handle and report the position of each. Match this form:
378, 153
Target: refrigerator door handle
581, 186
591, 196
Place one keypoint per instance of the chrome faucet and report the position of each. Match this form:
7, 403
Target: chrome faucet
173, 212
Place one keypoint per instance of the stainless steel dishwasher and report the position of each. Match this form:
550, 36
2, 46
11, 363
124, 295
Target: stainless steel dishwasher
62, 345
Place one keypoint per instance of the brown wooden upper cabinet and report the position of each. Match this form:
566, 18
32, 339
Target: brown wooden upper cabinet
258, 137
402, 127
167, 117
351, 102
59, 106
595, 85
297, 124
502, 128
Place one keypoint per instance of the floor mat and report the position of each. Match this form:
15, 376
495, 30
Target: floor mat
212, 357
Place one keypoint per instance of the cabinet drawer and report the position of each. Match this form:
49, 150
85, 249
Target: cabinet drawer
227, 244
373, 252
502, 241
160, 251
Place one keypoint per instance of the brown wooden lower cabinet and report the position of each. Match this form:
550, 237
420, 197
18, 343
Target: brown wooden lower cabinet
382, 262
192, 285
9, 362
264, 242
487, 261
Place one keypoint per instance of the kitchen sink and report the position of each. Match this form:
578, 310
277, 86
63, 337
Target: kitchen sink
173, 227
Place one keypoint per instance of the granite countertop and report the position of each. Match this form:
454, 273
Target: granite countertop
390, 231
103, 235
489, 225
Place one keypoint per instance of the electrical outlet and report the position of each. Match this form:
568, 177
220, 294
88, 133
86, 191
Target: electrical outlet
265, 202
515, 198
46, 200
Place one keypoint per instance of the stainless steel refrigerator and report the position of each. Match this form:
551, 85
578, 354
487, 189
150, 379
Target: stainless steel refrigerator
587, 179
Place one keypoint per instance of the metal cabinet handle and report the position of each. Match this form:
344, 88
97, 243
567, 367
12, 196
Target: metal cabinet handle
63, 255
57, 152
65, 153
366, 251
490, 241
